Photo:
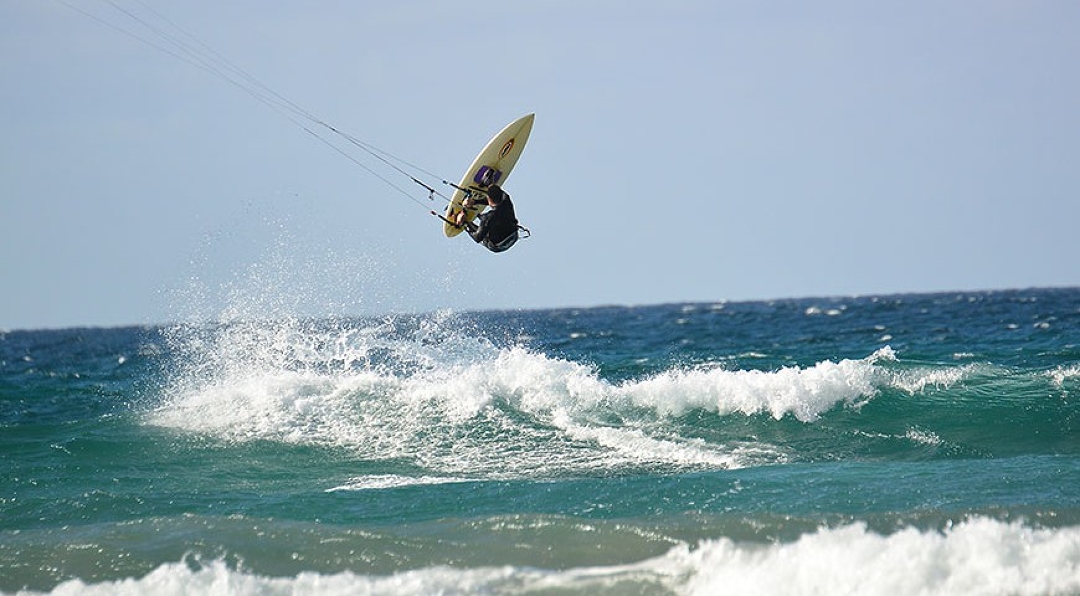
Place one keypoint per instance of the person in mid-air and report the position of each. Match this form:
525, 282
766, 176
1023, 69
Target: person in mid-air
498, 227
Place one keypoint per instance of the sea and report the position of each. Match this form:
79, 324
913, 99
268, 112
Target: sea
894, 444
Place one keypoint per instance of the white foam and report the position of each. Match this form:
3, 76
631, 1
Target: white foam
217, 579
978, 556
805, 393
461, 406
384, 481
924, 437
917, 380
1064, 373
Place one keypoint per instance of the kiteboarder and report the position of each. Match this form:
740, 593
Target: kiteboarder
498, 228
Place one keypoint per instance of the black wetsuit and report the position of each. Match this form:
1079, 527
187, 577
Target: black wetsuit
497, 224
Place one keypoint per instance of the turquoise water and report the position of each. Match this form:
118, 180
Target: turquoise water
893, 444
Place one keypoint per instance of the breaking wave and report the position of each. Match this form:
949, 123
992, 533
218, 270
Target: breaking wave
460, 406
977, 556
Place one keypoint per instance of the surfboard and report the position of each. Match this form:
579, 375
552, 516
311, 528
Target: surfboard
495, 161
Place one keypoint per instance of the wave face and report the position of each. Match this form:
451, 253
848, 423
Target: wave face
454, 402
457, 405
918, 443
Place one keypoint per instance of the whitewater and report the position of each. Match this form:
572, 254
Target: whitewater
911, 444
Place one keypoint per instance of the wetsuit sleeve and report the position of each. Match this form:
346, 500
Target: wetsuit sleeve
482, 229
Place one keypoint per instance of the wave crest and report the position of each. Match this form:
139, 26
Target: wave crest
458, 405
978, 556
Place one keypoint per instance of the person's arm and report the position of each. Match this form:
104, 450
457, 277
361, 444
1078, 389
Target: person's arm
476, 199
480, 232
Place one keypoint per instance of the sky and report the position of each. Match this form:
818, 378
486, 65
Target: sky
683, 151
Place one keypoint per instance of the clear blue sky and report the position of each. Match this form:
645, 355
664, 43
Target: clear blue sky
683, 151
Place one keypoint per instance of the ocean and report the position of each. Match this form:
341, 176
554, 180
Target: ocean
900, 444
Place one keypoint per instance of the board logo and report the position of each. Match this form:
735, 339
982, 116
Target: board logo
506, 148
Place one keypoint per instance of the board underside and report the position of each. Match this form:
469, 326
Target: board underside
496, 160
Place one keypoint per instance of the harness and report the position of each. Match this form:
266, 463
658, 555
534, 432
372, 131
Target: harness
505, 243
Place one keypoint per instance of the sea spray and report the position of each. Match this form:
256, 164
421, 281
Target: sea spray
910, 444
419, 389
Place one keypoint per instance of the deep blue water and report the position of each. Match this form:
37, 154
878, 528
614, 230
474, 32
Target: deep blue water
890, 444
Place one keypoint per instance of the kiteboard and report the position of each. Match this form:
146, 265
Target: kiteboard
493, 164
